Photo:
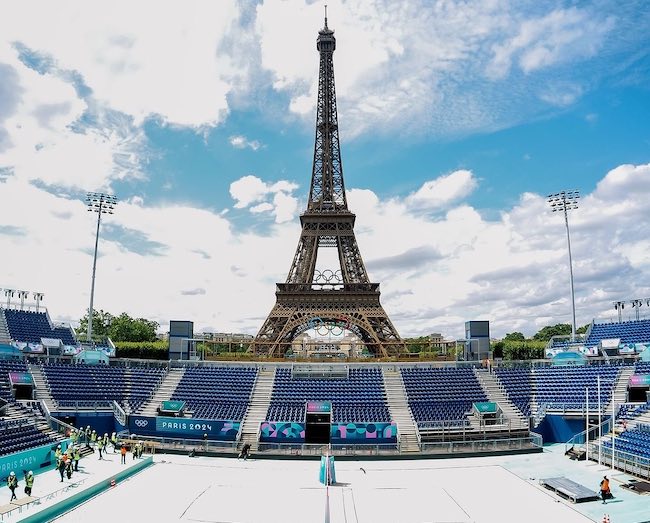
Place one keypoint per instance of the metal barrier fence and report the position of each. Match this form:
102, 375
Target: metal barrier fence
631, 463
334, 450
154, 443
454, 431
454, 447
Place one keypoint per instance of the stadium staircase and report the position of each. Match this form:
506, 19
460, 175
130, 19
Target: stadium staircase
163, 393
21, 410
619, 394
41, 390
400, 412
5, 337
495, 393
257, 408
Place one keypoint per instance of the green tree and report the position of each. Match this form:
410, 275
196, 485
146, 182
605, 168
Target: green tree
497, 349
523, 350
101, 324
546, 333
514, 336
125, 328
415, 345
583, 329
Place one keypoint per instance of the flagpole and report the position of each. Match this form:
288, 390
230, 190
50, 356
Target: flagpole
600, 425
587, 424
613, 431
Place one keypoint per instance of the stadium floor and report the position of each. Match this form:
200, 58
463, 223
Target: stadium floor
487, 489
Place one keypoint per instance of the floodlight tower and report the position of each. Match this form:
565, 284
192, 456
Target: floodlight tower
635, 305
38, 296
22, 295
563, 202
9, 293
619, 306
101, 204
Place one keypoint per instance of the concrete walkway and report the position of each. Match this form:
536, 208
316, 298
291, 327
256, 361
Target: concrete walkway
50, 490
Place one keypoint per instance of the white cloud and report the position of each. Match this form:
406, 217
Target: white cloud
146, 58
421, 67
561, 94
247, 190
261, 207
241, 142
560, 36
250, 189
45, 139
443, 190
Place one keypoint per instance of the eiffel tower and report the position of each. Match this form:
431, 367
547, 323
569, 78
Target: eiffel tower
327, 300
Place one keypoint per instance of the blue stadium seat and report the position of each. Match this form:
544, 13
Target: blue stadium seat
359, 398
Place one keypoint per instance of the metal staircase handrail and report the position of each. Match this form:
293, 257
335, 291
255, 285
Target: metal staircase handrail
580, 437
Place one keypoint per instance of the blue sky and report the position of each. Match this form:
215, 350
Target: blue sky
456, 120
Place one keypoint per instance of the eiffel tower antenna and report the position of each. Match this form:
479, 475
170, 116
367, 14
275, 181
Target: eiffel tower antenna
312, 298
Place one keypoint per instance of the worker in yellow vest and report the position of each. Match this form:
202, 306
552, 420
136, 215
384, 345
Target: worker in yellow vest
29, 483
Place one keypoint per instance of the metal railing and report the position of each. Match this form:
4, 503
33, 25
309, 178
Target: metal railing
452, 447
630, 463
595, 432
81, 405
306, 449
457, 431
119, 413
162, 443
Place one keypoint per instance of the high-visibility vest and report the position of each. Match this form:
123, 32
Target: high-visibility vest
604, 485
93, 437
30, 481
12, 481
77, 455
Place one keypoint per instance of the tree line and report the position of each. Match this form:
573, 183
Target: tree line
120, 328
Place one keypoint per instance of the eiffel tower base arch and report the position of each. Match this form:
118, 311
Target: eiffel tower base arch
355, 307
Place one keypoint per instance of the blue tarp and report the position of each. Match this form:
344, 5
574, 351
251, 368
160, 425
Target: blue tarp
9, 350
569, 358
91, 357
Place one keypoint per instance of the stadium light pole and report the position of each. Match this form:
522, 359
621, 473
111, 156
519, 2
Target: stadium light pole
619, 306
101, 204
38, 296
563, 202
635, 305
9, 293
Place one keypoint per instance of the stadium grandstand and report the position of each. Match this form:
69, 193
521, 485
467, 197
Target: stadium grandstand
353, 409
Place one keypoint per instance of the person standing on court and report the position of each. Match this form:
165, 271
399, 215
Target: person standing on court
68, 468
60, 465
12, 483
77, 457
123, 453
29, 483
604, 488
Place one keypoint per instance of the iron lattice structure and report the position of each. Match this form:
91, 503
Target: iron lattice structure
304, 301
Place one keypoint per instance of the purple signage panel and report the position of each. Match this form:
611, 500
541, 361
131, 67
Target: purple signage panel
319, 406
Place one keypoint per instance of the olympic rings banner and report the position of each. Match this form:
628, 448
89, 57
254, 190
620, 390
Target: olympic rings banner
190, 428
